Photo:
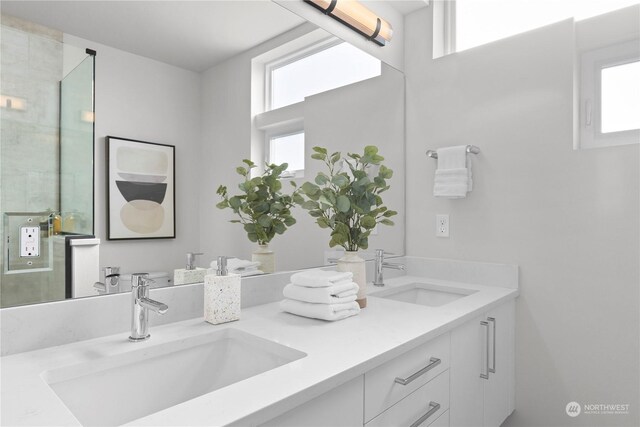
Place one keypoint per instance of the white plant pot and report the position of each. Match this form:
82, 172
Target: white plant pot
352, 262
266, 258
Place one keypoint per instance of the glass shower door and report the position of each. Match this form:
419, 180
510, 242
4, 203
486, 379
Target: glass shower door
77, 149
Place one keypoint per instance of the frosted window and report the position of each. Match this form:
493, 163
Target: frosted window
288, 149
482, 21
328, 69
620, 97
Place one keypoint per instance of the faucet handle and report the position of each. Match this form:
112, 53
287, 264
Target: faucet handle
111, 271
100, 287
140, 279
383, 252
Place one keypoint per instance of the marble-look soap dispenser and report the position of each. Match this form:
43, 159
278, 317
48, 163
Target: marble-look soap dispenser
221, 295
191, 273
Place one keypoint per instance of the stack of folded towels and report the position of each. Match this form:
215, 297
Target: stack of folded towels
239, 266
321, 294
453, 178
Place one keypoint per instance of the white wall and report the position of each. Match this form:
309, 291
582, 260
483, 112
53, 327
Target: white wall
345, 119
143, 99
568, 218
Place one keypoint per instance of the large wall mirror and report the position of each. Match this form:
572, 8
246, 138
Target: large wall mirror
222, 81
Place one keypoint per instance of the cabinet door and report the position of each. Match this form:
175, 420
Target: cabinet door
468, 353
499, 389
342, 406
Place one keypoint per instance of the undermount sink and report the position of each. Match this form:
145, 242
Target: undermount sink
114, 390
424, 294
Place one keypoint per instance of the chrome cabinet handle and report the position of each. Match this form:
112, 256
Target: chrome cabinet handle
433, 362
433, 408
493, 322
485, 375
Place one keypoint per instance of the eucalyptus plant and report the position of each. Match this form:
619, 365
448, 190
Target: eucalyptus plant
264, 210
349, 202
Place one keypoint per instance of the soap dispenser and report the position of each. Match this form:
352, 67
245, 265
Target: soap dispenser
221, 295
191, 273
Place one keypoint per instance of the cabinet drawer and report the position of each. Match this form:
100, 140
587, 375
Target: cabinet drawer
442, 421
416, 405
381, 389
341, 406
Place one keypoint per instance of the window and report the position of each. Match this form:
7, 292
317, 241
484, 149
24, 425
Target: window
480, 22
620, 97
310, 66
324, 67
288, 148
610, 96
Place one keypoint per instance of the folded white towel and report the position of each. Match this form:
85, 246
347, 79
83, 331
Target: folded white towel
451, 183
453, 177
335, 294
320, 278
237, 264
320, 311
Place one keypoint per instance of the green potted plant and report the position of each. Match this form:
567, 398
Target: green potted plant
349, 203
262, 208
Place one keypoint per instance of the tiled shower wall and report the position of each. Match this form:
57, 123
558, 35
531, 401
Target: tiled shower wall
32, 67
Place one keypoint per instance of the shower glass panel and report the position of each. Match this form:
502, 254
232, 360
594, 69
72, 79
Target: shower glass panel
76, 149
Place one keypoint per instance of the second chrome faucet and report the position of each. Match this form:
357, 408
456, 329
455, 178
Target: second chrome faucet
380, 265
140, 306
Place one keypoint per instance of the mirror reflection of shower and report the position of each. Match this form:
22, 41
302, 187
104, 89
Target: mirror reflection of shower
46, 159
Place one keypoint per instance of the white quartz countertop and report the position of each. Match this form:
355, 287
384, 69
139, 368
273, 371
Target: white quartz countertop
336, 353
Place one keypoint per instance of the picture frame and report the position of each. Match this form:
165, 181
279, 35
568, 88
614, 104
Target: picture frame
140, 189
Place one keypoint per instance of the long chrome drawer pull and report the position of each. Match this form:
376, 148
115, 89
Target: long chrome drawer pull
493, 321
433, 363
485, 374
433, 408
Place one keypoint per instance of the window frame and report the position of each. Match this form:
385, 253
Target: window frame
279, 132
290, 58
592, 63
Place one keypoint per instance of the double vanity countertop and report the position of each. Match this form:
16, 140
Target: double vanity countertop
336, 352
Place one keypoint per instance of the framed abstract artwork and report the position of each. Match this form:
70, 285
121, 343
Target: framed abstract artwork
140, 190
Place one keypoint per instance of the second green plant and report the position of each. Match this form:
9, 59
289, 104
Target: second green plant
349, 202
262, 208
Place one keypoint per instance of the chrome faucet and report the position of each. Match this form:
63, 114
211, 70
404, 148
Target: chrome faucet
380, 264
110, 281
140, 306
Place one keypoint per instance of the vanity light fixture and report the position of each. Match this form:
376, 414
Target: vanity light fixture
357, 17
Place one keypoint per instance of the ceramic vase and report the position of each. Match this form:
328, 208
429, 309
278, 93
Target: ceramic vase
266, 258
352, 262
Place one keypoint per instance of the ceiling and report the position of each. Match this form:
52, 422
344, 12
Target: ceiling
194, 35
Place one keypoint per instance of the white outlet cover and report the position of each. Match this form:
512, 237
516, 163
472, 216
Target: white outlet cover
29, 242
442, 225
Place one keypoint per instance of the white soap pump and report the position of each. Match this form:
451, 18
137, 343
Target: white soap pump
191, 260
191, 273
221, 295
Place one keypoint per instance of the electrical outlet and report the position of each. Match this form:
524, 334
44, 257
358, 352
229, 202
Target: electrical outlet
442, 225
29, 241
